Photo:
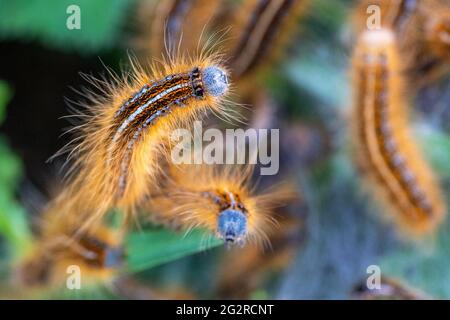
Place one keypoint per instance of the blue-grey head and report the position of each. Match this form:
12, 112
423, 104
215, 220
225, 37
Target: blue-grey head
215, 81
232, 226
113, 257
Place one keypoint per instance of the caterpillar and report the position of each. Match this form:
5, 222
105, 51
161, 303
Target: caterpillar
422, 31
98, 254
435, 55
117, 153
220, 199
386, 151
259, 31
391, 289
262, 29
438, 34
165, 25
395, 15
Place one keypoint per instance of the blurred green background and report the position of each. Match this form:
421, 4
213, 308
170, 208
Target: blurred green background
40, 62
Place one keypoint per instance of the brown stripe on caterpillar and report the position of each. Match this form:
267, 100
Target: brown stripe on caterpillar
99, 253
124, 166
257, 40
419, 26
172, 24
394, 15
405, 9
226, 200
249, 28
386, 148
168, 16
151, 101
155, 101
437, 29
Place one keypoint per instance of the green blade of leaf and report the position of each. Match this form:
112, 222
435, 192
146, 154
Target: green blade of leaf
46, 21
5, 95
152, 248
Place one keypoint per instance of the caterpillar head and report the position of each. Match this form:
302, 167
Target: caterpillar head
232, 227
215, 81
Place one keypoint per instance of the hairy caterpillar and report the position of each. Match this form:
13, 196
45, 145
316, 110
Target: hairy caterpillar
386, 149
167, 24
219, 199
422, 31
394, 15
436, 32
117, 153
262, 28
391, 289
98, 255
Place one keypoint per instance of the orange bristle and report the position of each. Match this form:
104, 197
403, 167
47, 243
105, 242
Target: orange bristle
198, 195
390, 158
117, 153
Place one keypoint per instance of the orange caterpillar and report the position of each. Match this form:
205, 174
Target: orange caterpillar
261, 30
391, 289
98, 255
436, 32
422, 28
165, 25
386, 149
118, 151
218, 199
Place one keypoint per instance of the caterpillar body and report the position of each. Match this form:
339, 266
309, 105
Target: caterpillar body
262, 28
218, 199
183, 22
386, 149
391, 289
422, 31
122, 141
259, 31
98, 255
437, 30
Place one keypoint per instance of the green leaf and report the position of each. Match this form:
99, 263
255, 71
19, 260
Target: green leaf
14, 226
436, 147
46, 20
5, 96
10, 167
424, 266
13, 219
321, 75
149, 249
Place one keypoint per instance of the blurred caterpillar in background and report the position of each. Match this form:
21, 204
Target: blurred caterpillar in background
117, 154
384, 144
161, 25
219, 199
422, 30
391, 289
434, 56
259, 31
98, 254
